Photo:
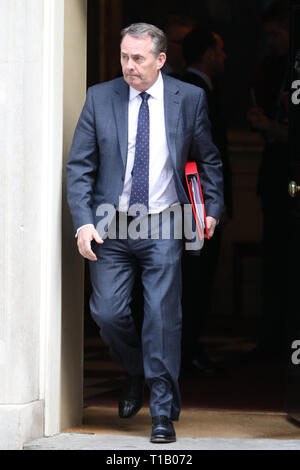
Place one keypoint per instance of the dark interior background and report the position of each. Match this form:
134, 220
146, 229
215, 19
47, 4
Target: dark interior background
237, 290
238, 22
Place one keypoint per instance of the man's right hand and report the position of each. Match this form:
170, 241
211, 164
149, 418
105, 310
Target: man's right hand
85, 236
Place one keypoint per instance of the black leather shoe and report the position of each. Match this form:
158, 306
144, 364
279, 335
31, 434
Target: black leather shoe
162, 430
132, 397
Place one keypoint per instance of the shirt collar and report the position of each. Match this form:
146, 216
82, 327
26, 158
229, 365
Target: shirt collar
203, 75
155, 91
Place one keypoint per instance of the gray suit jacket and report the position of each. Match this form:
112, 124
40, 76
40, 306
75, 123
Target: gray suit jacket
97, 161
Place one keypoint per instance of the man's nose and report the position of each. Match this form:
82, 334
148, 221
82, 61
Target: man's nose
130, 64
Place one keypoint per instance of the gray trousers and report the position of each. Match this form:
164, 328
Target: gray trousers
157, 353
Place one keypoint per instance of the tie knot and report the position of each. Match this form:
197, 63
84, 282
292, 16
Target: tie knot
144, 95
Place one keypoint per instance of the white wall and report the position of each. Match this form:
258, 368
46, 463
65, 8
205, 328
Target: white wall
21, 65
31, 149
21, 143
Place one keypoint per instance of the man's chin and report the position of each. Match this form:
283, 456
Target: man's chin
133, 81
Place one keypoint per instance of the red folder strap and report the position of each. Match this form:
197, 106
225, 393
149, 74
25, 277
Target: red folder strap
191, 170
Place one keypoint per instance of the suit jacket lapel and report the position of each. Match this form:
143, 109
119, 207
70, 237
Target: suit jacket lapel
172, 102
120, 106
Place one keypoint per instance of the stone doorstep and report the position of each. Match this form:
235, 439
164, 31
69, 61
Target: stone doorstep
20, 423
83, 441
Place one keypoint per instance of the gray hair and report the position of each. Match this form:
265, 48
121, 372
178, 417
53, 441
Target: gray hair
139, 30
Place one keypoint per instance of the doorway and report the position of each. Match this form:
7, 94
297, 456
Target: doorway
249, 383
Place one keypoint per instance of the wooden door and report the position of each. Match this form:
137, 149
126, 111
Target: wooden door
293, 226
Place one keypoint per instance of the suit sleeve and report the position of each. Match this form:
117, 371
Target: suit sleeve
208, 160
82, 166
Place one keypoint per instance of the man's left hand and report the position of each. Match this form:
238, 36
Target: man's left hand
211, 225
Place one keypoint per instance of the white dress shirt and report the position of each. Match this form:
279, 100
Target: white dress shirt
162, 191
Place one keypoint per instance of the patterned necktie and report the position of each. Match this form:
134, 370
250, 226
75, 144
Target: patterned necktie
140, 173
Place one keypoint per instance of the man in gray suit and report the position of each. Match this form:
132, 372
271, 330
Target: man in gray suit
133, 139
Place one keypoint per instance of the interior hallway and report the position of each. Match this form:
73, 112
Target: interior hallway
244, 400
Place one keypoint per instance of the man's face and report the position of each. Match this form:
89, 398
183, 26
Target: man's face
139, 65
219, 55
278, 37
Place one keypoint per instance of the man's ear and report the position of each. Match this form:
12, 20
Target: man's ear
161, 59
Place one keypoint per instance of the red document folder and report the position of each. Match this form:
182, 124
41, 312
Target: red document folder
196, 198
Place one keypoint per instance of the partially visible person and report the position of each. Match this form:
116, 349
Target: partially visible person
176, 28
270, 118
203, 51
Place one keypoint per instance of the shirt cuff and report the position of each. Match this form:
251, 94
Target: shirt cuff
86, 225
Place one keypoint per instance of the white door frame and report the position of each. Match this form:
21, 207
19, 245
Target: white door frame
61, 353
